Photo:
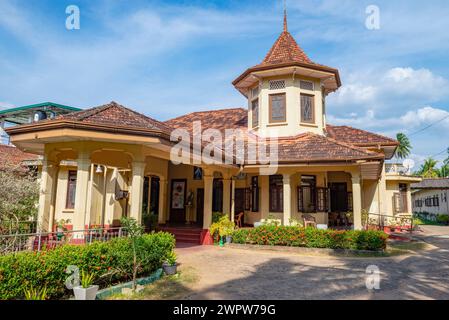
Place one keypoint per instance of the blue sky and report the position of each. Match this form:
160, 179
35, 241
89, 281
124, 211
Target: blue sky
167, 58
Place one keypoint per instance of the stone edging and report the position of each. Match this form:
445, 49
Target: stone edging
104, 293
315, 251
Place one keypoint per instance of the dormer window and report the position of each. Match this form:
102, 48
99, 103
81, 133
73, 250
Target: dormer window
307, 108
277, 108
277, 84
255, 112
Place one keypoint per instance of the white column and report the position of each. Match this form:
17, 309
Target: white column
208, 185
232, 199
227, 196
138, 171
46, 194
82, 186
287, 200
162, 218
357, 201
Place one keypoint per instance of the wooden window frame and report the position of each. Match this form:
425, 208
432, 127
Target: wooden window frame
313, 108
254, 125
270, 98
69, 205
255, 191
279, 194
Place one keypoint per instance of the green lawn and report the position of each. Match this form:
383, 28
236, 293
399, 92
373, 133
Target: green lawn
167, 288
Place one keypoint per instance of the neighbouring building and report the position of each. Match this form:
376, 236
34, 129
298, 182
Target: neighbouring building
431, 196
109, 161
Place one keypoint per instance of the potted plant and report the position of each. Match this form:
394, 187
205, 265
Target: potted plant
86, 291
226, 229
61, 227
170, 266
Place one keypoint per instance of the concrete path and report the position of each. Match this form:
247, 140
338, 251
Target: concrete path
227, 273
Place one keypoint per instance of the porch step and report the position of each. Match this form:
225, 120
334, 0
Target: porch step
184, 235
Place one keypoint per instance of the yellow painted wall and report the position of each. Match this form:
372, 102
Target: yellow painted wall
293, 124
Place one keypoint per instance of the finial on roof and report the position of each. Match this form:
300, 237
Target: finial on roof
285, 16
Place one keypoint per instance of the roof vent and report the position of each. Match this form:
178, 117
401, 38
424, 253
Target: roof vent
277, 84
306, 85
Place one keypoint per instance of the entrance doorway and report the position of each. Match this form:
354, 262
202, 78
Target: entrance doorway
239, 202
199, 206
339, 197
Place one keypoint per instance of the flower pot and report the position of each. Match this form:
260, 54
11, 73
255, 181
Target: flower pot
169, 269
228, 239
85, 293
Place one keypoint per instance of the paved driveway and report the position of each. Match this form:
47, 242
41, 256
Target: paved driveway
227, 273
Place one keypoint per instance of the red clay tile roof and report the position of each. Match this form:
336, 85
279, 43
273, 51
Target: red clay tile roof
285, 50
235, 118
310, 147
358, 137
307, 147
12, 157
115, 114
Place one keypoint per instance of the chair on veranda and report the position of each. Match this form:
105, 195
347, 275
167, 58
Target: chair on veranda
309, 221
238, 219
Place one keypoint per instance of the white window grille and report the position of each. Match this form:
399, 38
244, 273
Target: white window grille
277, 84
306, 85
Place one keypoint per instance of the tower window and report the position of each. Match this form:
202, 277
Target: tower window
277, 84
306, 85
277, 108
307, 108
255, 92
255, 112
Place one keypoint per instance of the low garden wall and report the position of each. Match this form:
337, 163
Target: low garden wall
311, 238
112, 262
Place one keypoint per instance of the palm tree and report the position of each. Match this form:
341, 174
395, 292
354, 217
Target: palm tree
444, 171
428, 169
404, 148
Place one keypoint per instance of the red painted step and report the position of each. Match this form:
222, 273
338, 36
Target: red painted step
184, 235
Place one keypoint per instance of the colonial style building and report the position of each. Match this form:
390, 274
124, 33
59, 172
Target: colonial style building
431, 196
109, 161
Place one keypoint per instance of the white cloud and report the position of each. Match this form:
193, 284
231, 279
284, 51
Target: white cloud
420, 83
374, 89
425, 116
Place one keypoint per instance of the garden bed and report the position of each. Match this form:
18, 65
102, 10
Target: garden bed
111, 262
289, 236
310, 251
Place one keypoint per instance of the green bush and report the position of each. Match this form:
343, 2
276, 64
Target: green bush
311, 238
443, 218
111, 262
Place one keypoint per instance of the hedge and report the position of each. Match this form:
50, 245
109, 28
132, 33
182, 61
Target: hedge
111, 261
311, 238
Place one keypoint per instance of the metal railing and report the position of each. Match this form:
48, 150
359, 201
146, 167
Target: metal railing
48, 240
399, 223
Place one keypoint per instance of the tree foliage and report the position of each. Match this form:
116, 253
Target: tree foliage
19, 197
404, 148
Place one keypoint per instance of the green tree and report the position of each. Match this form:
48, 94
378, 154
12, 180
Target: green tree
404, 148
135, 232
444, 170
428, 168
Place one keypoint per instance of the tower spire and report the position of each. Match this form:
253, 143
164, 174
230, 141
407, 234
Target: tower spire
285, 16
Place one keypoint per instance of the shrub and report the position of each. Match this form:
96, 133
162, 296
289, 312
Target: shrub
224, 227
443, 218
311, 238
111, 261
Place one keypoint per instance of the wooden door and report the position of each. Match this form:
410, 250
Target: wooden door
178, 194
199, 206
239, 199
339, 197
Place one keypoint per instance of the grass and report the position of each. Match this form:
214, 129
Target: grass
400, 248
167, 288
